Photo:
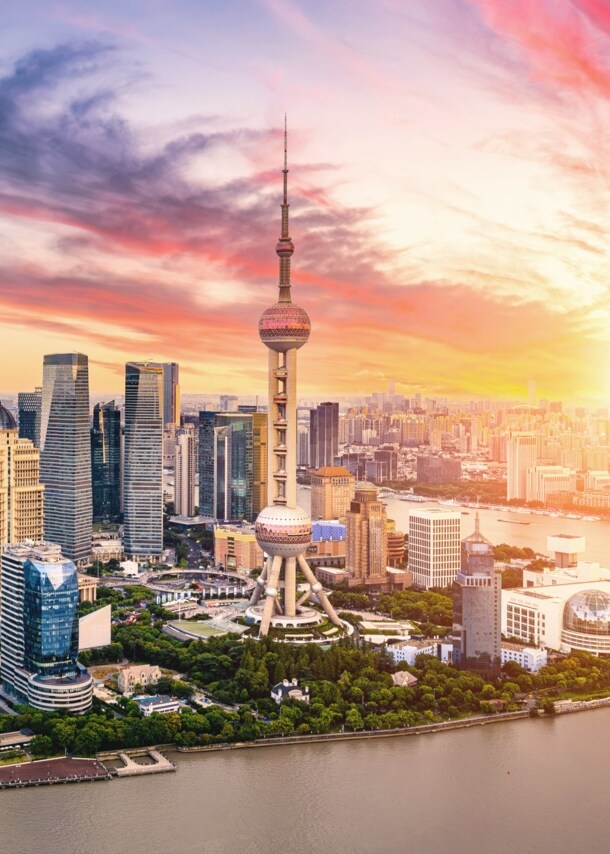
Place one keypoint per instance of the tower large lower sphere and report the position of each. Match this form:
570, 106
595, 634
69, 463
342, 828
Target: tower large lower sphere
283, 530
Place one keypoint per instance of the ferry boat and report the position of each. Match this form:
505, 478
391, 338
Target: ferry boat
514, 521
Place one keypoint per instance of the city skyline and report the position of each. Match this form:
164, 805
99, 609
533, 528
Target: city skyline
449, 192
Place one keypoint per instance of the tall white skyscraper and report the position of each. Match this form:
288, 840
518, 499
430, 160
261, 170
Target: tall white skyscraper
143, 461
434, 546
65, 445
186, 467
521, 455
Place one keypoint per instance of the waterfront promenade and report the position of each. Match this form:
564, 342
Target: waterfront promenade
46, 772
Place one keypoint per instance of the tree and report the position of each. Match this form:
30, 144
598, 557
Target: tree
353, 720
41, 745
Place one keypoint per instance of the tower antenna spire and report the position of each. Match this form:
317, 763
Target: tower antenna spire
285, 246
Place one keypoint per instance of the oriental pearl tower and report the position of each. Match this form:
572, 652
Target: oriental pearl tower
283, 530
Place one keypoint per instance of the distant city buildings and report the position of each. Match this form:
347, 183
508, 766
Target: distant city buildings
434, 547
65, 443
143, 462
39, 630
106, 462
438, 469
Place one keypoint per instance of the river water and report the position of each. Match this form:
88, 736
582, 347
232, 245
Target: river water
533, 534
525, 786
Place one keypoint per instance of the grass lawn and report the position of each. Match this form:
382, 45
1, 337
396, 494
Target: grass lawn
200, 629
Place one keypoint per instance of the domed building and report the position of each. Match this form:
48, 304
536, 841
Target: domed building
7, 420
586, 622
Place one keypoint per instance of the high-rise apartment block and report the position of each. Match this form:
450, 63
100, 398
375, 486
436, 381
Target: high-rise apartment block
366, 537
29, 405
39, 629
106, 462
521, 455
184, 472
332, 491
21, 493
434, 547
324, 435
65, 463
477, 607
143, 462
171, 394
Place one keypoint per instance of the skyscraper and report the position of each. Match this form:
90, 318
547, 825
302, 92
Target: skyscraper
29, 404
476, 607
366, 537
521, 455
65, 444
106, 462
324, 435
184, 472
143, 461
232, 465
171, 394
434, 546
283, 530
21, 493
39, 629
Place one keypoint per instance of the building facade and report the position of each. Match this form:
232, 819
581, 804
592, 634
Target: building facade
236, 548
324, 435
366, 537
106, 462
521, 455
171, 394
21, 493
39, 629
65, 462
184, 473
434, 547
438, 469
29, 404
332, 491
227, 485
543, 481
143, 463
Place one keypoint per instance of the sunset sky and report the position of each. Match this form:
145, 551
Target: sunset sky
450, 191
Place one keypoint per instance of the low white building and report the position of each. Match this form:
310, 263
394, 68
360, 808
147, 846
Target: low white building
407, 650
131, 568
158, 703
530, 658
94, 629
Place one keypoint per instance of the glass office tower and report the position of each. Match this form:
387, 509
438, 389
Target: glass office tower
226, 466
106, 462
143, 462
65, 463
29, 405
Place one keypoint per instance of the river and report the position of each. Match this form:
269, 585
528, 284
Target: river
526, 786
534, 534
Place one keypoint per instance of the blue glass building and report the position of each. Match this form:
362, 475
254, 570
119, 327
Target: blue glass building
50, 617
